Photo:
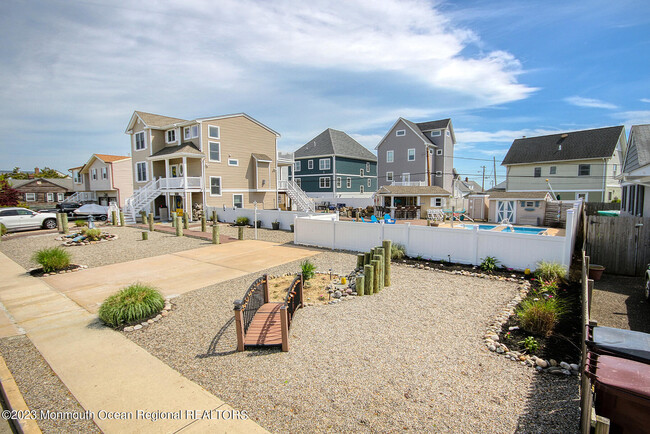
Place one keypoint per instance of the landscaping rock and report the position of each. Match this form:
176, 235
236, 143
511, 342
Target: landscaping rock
541, 363
553, 362
565, 365
574, 367
137, 327
128, 329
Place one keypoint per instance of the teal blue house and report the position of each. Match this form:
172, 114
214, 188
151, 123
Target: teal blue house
334, 167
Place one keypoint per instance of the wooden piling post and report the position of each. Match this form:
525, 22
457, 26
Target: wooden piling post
114, 217
239, 325
145, 236
375, 277
214, 217
360, 288
381, 254
366, 258
122, 218
143, 216
64, 223
302, 298
203, 228
174, 215
186, 223
240, 233
284, 323
360, 260
266, 288
151, 222
59, 226
215, 234
388, 246
369, 273
179, 227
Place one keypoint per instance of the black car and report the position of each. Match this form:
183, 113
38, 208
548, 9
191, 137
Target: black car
68, 207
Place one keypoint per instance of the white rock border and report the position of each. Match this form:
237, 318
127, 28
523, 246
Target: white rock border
144, 324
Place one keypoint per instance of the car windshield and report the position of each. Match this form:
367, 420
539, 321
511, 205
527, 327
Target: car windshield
25, 212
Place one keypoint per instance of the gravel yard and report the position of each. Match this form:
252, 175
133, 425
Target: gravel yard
408, 358
249, 233
127, 247
41, 388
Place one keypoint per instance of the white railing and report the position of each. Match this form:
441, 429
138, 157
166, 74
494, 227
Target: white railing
285, 157
296, 194
180, 184
81, 196
283, 184
409, 183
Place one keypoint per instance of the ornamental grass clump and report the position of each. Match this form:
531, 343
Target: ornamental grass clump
241, 221
52, 259
307, 268
397, 251
540, 316
132, 304
489, 264
3, 230
80, 223
550, 271
93, 234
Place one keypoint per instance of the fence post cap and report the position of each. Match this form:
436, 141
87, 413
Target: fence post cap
238, 303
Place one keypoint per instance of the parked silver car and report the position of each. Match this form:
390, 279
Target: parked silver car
18, 219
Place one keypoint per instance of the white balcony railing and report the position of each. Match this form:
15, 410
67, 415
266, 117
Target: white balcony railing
409, 183
180, 184
283, 184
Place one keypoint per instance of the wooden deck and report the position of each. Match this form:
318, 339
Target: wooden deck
266, 328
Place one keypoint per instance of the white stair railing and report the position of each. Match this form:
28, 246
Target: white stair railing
141, 199
296, 194
81, 196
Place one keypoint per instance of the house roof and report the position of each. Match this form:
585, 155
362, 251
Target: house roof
262, 157
61, 182
111, 158
420, 127
153, 120
334, 142
183, 148
426, 190
574, 145
468, 186
499, 187
539, 195
638, 151
433, 125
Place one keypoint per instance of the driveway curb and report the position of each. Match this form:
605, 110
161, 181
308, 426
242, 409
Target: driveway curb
15, 402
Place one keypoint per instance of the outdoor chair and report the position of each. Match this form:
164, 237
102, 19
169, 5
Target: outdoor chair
373, 219
388, 220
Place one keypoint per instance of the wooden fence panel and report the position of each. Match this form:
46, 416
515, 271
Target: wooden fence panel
613, 243
555, 214
592, 208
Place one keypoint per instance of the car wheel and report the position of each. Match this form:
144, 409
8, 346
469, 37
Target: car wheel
102, 218
647, 287
49, 224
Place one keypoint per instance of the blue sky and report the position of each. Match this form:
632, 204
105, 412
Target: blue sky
73, 71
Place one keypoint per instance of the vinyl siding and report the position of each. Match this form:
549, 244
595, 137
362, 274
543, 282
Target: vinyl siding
304, 166
123, 179
400, 146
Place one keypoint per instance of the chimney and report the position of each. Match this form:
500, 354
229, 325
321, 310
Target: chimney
466, 179
36, 171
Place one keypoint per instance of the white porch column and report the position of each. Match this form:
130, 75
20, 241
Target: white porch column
166, 169
185, 172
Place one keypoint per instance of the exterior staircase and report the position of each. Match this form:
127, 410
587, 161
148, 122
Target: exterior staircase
299, 197
81, 197
141, 199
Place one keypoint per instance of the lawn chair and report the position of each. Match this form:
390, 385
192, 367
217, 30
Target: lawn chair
373, 219
363, 220
388, 220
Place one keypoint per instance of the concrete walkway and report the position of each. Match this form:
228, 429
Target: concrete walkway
105, 371
176, 273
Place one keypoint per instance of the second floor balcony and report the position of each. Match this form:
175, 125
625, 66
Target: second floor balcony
409, 183
190, 183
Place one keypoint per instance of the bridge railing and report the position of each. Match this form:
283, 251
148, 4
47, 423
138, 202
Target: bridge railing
246, 308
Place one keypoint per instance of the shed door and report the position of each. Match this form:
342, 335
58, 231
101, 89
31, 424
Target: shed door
505, 211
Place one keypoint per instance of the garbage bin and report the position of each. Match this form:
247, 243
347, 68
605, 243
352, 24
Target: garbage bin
627, 344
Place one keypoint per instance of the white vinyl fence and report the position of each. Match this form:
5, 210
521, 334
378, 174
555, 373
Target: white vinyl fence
285, 218
466, 246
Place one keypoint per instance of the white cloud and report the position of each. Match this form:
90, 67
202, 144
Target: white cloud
634, 117
645, 100
589, 102
503, 136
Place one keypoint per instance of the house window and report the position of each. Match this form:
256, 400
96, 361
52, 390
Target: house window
615, 168
406, 177
233, 162
104, 173
324, 182
50, 197
298, 182
215, 151
582, 196
609, 196
438, 151
584, 169
60, 197
447, 133
348, 182
411, 154
310, 164
436, 133
369, 183
400, 133
30, 197
552, 170
94, 173
367, 167
389, 176
436, 201
191, 132
537, 172
139, 141
215, 186
361, 189
213, 132
530, 204
238, 200
324, 164
338, 182
297, 166
438, 173
390, 156
361, 173
171, 136
141, 171
77, 177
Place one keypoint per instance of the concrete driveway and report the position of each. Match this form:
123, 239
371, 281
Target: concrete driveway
176, 273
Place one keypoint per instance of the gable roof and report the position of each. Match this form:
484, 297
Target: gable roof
421, 127
468, 186
638, 150
61, 182
334, 142
234, 115
183, 148
433, 125
574, 145
111, 158
419, 190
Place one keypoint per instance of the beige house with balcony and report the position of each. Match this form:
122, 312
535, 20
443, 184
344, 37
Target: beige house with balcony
220, 161
573, 165
103, 179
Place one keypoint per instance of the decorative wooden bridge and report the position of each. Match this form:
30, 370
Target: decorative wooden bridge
263, 323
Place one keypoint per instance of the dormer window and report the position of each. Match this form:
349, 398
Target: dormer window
171, 136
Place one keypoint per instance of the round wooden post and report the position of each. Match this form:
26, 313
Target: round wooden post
215, 234
240, 233
122, 218
145, 236
64, 223
366, 258
174, 215
380, 253
179, 227
143, 216
284, 323
360, 259
369, 273
59, 226
114, 217
151, 222
239, 325
375, 276
360, 288
388, 249
214, 217
203, 229
186, 223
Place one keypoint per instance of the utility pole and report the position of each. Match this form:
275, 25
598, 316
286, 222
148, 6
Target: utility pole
483, 179
495, 170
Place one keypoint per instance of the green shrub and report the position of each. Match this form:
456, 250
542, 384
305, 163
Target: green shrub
241, 221
93, 234
80, 223
3, 230
52, 259
540, 316
307, 268
489, 264
531, 344
130, 305
549, 286
550, 271
397, 251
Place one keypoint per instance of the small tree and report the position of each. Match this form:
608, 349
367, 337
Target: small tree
48, 173
9, 196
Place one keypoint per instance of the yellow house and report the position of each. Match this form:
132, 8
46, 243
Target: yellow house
578, 164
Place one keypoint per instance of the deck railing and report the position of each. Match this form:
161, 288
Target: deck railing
294, 299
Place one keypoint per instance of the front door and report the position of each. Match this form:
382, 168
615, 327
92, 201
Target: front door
505, 211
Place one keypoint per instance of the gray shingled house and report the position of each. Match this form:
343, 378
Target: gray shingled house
635, 178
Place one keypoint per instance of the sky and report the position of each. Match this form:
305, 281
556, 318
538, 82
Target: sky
73, 71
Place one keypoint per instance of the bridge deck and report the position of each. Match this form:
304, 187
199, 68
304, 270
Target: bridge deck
265, 329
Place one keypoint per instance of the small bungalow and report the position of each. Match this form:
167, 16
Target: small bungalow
411, 202
518, 207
